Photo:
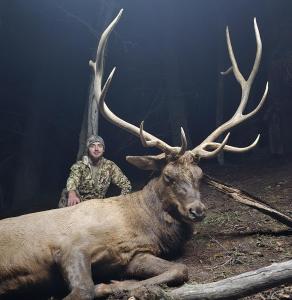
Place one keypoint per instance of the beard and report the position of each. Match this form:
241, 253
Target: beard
95, 157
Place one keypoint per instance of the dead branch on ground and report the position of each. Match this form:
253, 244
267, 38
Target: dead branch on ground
249, 200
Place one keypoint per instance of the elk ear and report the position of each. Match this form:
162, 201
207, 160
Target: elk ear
148, 162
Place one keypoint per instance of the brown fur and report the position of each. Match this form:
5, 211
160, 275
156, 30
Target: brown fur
120, 235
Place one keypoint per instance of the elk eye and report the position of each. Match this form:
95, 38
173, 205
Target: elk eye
167, 178
183, 190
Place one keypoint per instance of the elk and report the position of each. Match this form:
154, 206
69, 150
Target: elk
126, 236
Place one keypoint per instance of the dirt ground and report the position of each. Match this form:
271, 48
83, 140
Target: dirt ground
234, 238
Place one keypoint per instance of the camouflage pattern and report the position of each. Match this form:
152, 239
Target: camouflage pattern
93, 181
95, 139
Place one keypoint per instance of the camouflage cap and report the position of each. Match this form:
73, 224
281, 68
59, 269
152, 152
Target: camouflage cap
95, 139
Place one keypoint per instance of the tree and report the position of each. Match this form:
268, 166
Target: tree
90, 117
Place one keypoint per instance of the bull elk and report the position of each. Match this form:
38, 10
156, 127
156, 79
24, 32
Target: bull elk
125, 236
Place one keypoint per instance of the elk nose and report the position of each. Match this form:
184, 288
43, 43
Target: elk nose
198, 212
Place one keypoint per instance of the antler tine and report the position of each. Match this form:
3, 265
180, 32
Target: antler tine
208, 154
161, 145
100, 94
261, 103
245, 84
235, 149
238, 116
234, 67
258, 53
184, 143
228, 71
142, 138
99, 62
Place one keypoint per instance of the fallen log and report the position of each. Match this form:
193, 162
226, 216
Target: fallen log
249, 200
239, 286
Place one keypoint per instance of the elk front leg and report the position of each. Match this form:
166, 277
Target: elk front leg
157, 270
142, 266
76, 269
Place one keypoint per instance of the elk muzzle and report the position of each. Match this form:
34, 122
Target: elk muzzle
196, 211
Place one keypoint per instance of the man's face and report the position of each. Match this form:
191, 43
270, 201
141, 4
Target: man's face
96, 150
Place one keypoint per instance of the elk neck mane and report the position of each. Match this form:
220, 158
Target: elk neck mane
165, 230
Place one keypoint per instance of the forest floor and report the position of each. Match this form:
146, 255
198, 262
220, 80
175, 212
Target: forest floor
234, 238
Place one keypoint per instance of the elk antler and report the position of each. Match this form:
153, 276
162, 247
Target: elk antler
209, 143
148, 140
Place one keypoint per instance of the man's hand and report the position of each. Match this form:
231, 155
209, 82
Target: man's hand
73, 198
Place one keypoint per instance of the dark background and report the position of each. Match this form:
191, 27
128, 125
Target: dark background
168, 56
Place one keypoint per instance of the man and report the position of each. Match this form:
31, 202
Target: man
90, 177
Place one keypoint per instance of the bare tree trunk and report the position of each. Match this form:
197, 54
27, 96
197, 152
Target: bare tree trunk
174, 95
84, 128
221, 66
220, 90
220, 108
275, 111
90, 117
27, 179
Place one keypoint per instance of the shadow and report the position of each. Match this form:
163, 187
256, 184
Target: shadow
242, 234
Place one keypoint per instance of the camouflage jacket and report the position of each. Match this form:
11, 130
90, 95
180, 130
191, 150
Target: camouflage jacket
93, 181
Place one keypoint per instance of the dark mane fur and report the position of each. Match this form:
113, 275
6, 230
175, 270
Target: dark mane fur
166, 231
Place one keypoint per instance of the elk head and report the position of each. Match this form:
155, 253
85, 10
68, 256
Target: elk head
180, 173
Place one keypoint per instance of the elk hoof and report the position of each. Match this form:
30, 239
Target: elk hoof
148, 293
102, 290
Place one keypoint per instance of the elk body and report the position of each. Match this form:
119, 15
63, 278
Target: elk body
119, 234
125, 236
